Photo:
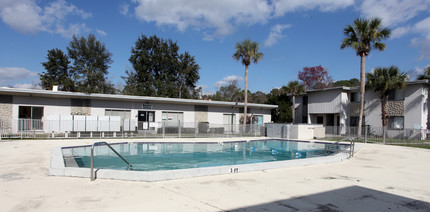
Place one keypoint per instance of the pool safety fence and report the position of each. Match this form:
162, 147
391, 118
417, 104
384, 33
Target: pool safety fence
371, 134
121, 128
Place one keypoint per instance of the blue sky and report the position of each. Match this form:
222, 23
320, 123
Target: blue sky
292, 34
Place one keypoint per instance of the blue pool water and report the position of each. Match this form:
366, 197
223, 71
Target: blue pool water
169, 156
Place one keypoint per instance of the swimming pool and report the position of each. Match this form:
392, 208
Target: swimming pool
172, 160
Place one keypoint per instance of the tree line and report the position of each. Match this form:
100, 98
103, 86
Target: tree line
157, 69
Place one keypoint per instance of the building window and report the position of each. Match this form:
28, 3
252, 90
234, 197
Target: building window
29, 112
258, 120
124, 114
201, 108
396, 95
355, 97
396, 122
30, 118
320, 119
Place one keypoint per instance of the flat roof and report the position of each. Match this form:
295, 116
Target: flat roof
66, 94
345, 88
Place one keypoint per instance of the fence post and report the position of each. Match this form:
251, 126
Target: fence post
22, 126
365, 133
179, 128
163, 128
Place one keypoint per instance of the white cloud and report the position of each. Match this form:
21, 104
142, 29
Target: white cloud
101, 32
24, 86
72, 29
13, 73
423, 42
285, 6
205, 90
214, 17
399, 32
419, 70
393, 12
276, 34
228, 80
27, 17
123, 9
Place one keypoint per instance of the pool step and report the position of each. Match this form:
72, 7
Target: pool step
69, 159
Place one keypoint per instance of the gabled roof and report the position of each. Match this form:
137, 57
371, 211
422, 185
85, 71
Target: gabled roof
113, 97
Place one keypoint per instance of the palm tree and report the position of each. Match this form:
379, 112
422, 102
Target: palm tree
384, 81
362, 36
295, 88
426, 75
247, 51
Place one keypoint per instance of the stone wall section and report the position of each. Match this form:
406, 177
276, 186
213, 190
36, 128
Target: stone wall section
5, 116
354, 109
396, 108
86, 111
200, 116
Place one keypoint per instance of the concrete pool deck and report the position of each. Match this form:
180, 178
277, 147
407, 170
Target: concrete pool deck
378, 178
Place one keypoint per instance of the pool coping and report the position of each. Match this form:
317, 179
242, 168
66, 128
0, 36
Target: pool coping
58, 168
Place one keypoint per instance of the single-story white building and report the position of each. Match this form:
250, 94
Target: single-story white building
59, 111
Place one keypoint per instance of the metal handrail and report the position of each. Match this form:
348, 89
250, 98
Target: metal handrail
351, 146
92, 157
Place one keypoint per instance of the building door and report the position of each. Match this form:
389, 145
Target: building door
143, 118
229, 120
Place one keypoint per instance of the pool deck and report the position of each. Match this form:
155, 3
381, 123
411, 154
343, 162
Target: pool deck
378, 178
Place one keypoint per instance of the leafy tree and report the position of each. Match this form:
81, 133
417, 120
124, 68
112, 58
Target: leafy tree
294, 88
247, 52
57, 71
188, 75
159, 70
384, 81
362, 36
315, 77
91, 62
229, 93
425, 75
258, 97
347, 83
283, 113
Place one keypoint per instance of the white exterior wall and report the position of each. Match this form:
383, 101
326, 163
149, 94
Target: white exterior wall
328, 101
415, 107
416, 110
216, 114
267, 118
343, 114
372, 110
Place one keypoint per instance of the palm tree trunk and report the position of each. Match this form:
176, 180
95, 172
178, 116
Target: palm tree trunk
246, 99
293, 109
362, 89
384, 114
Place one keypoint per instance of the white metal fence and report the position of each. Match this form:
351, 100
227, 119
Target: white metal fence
126, 128
370, 134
